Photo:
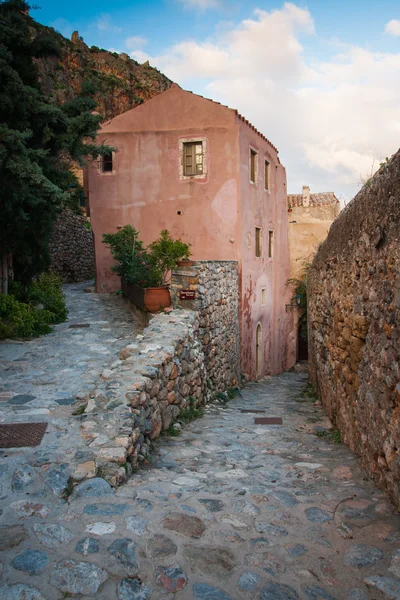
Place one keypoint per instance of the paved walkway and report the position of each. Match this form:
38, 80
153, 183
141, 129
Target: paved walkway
229, 510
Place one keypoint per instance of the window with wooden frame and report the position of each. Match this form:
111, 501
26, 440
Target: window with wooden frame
193, 159
106, 163
253, 165
258, 242
267, 168
270, 243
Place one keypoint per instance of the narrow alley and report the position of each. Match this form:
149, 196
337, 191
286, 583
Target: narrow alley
230, 509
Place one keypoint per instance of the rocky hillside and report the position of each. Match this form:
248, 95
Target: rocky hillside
122, 82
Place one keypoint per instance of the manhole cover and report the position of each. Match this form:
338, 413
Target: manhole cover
79, 325
268, 421
252, 410
20, 435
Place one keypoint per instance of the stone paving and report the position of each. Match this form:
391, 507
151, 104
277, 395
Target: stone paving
228, 510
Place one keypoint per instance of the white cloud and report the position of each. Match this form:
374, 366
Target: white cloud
104, 23
135, 41
393, 27
332, 120
201, 4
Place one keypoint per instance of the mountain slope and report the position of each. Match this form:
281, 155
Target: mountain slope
122, 82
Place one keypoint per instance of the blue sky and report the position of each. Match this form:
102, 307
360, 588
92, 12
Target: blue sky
321, 79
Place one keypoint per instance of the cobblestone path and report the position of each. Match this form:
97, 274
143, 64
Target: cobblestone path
228, 510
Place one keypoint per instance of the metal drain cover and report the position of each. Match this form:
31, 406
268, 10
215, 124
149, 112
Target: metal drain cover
20, 435
268, 421
252, 410
79, 325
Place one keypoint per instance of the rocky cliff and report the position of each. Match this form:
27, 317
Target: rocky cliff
122, 83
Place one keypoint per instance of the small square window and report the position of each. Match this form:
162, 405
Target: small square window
253, 165
263, 296
266, 175
270, 243
193, 159
258, 242
107, 163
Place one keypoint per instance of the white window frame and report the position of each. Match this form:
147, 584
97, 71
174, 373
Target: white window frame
191, 140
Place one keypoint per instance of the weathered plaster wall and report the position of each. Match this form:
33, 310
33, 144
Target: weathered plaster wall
216, 285
217, 214
265, 209
304, 240
71, 248
147, 190
354, 326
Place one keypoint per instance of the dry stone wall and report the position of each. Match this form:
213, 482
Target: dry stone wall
354, 326
71, 248
216, 286
183, 359
142, 393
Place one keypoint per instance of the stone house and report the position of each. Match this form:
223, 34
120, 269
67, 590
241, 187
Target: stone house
309, 219
202, 171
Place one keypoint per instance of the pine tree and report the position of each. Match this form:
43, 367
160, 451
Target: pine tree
39, 141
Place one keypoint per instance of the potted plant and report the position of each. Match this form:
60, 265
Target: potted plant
144, 271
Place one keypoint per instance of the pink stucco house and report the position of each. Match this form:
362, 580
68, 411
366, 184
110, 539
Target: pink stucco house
202, 171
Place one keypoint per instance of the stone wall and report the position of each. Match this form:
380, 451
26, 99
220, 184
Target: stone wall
71, 248
354, 326
142, 393
216, 286
183, 359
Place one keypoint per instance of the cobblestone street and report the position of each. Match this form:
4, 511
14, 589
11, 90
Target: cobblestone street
228, 510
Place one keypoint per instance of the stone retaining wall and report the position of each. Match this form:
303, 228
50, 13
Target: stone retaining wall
184, 358
142, 394
71, 248
354, 326
216, 287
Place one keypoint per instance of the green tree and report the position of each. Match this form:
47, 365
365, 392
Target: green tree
39, 141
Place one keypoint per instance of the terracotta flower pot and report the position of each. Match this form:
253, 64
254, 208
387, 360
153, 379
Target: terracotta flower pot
156, 298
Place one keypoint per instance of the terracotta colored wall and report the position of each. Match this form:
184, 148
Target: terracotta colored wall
266, 210
146, 189
217, 213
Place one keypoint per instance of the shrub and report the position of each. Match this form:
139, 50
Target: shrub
45, 291
22, 320
147, 267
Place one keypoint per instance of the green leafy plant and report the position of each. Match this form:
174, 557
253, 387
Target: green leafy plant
166, 252
146, 267
22, 320
45, 292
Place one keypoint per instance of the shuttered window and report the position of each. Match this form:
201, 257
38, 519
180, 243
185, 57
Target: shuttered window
253, 165
266, 174
258, 242
193, 159
270, 243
